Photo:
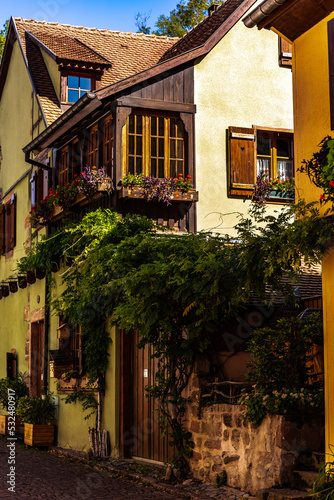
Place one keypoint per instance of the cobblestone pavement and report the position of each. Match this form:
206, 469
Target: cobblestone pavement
41, 475
65, 474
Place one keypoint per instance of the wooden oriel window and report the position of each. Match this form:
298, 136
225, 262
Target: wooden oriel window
253, 151
93, 147
108, 145
63, 167
155, 145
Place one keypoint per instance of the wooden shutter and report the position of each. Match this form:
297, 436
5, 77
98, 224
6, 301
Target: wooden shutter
40, 185
285, 53
2, 229
330, 34
242, 161
10, 224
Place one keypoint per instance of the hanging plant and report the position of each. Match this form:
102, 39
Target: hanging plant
320, 169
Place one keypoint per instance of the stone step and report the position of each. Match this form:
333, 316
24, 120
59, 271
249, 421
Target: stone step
280, 494
303, 479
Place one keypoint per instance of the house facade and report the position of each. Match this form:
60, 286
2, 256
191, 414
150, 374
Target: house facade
309, 28
215, 105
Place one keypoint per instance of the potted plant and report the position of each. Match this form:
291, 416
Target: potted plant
37, 415
16, 388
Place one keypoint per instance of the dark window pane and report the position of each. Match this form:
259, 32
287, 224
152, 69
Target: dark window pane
284, 148
153, 167
161, 169
73, 96
263, 146
161, 147
180, 149
131, 165
131, 144
153, 146
172, 127
73, 82
172, 148
138, 166
153, 125
173, 168
85, 83
139, 145
180, 167
161, 126
139, 127
131, 124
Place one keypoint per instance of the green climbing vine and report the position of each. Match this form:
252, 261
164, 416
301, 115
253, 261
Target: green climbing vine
175, 290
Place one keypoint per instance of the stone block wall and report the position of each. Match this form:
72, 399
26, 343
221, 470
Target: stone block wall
254, 457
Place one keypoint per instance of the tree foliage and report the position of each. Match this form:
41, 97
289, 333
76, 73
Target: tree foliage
3, 34
175, 290
183, 18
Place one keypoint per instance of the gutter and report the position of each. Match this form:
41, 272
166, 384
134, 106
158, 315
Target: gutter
261, 12
87, 98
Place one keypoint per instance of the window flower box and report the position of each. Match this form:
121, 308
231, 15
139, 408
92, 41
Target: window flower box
283, 195
140, 193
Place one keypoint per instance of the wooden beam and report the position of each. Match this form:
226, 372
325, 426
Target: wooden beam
137, 102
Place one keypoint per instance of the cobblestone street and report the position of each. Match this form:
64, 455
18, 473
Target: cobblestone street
39, 474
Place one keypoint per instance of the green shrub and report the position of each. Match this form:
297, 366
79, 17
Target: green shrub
34, 410
17, 384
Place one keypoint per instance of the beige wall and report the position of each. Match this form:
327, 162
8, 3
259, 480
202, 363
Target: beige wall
239, 83
54, 72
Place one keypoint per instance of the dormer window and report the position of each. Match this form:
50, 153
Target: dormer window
77, 86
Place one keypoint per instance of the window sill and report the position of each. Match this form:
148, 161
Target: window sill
139, 193
72, 385
276, 194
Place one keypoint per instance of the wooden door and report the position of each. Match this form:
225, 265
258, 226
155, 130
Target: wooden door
141, 435
36, 358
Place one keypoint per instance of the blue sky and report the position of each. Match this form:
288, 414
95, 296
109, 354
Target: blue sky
110, 14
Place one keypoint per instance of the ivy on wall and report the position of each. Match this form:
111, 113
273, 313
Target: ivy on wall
175, 290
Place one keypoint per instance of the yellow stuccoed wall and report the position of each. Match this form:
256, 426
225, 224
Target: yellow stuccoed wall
16, 107
312, 124
239, 83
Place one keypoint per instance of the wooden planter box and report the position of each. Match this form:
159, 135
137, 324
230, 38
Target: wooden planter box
139, 192
38, 435
4, 424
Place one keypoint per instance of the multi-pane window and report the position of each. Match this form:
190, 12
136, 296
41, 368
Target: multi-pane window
63, 167
155, 146
93, 147
77, 86
274, 154
69, 338
108, 143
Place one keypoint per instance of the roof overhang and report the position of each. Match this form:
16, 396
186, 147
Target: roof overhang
289, 18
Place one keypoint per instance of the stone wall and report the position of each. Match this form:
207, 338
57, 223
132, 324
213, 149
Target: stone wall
254, 457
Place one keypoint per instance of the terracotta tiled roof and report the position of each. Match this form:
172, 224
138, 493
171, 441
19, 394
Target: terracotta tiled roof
43, 83
203, 31
66, 47
129, 53
308, 285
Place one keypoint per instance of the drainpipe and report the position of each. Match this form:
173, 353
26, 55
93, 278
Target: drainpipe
46, 332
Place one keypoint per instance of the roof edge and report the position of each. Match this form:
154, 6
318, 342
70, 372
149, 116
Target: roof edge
261, 12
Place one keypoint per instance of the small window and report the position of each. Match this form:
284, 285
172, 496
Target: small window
63, 167
77, 86
254, 151
93, 147
10, 224
69, 343
275, 154
108, 145
155, 146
